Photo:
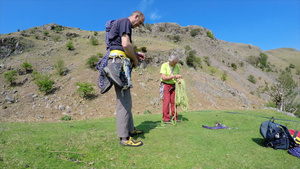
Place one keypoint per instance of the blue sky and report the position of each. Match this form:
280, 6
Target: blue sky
269, 24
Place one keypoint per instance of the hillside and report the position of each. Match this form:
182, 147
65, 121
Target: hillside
44, 46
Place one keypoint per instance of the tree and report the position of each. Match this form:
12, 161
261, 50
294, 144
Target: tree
45, 83
283, 92
27, 66
11, 76
85, 89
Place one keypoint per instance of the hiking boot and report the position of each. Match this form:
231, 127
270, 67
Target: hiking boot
135, 132
131, 143
113, 70
106, 84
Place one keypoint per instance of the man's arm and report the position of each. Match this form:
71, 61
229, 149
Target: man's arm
127, 46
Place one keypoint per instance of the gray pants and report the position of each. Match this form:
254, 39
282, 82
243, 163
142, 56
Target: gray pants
123, 109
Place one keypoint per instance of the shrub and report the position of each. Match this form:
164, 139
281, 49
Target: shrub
85, 89
56, 38
92, 62
292, 66
210, 35
11, 77
174, 38
45, 83
224, 76
46, 33
187, 48
213, 70
148, 26
234, 67
147, 112
100, 55
95, 33
94, 41
253, 60
207, 60
162, 29
27, 66
193, 60
66, 118
263, 60
144, 49
70, 45
58, 29
195, 32
60, 67
251, 79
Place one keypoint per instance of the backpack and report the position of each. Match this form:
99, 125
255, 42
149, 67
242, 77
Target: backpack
103, 82
276, 135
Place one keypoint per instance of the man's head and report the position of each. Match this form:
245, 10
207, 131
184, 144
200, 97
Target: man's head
137, 19
173, 60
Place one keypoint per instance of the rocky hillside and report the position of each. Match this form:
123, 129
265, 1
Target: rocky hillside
219, 81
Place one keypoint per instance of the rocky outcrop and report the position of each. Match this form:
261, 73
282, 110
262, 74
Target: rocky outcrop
13, 45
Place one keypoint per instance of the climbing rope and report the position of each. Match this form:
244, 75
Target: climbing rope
180, 99
180, 96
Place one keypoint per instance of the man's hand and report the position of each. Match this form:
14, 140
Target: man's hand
140, 56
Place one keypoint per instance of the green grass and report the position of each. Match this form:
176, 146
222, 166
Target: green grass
94, 144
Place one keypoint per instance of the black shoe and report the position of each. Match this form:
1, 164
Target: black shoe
135, 132
113, 70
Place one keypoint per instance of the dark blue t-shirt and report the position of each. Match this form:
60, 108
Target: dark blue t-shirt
121, 26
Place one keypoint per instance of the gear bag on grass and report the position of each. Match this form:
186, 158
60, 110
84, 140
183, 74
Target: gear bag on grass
276, 135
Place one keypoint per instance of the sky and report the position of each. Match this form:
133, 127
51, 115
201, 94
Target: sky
268, 24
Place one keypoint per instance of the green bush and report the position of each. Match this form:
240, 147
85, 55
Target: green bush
58, 29
85, 89
144, 49
27, 66
193, 60
195, 32
100, 55
92, 61
213, 70
70, 45
251, 79
174, 38
11, 77
66, 118
207, 60
263, 60
95, 33
45, 83
224, 76
271, 104
187, 48
234, 67
292, 66
253, 60
94, 41
60, 67
46, 33
210, 35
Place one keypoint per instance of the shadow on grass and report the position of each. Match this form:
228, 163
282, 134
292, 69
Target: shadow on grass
147, 126
259, 141
180, 117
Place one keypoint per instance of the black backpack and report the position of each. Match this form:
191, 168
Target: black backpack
276, 135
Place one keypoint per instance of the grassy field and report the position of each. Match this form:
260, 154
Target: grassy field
94, 144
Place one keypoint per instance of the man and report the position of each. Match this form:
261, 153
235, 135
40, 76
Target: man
121, 48
169, 75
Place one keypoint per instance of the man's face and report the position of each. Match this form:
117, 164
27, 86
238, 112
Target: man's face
174, 62
139, 20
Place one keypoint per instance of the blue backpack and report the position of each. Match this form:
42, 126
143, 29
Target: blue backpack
276, 135
103, 62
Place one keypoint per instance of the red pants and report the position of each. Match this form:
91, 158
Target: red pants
169, 100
